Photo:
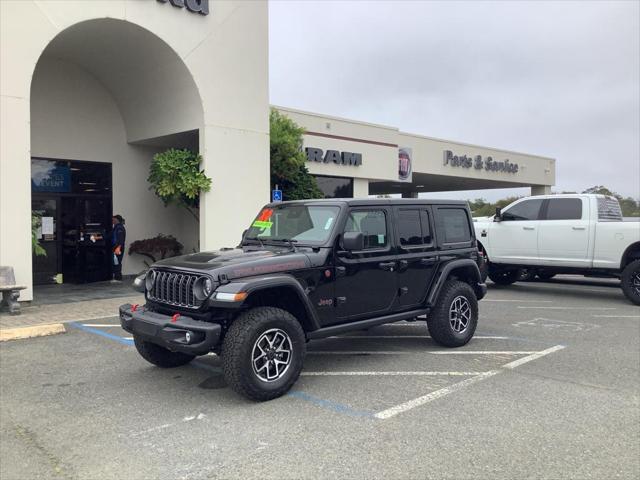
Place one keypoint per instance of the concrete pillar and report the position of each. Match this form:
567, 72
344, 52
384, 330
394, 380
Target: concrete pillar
360, 188
540, 190
409, 194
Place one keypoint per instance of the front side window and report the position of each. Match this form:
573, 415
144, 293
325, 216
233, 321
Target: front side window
373, 225
564, 209
527, 210
454, 224
299, 223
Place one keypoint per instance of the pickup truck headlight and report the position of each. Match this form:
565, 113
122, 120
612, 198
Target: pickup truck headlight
203, 288
150, 280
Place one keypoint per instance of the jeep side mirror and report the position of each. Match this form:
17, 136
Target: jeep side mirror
353, 241
498, 216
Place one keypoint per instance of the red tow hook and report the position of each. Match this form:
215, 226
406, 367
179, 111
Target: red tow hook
175, 317
134, 307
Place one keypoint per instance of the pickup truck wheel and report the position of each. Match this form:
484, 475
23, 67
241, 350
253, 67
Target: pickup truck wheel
453, 321
504, 277
262, 353
542, 275
160, 356
631, 281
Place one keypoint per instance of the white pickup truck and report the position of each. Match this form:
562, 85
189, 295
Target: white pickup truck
550, 234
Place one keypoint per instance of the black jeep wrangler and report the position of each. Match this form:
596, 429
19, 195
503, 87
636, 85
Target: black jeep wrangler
307, 270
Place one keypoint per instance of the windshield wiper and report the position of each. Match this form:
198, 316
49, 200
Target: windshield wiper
254, 239
290, 241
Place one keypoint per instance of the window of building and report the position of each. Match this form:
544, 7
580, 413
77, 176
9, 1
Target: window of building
564, 209
454, 224
526, 210
372, 223
335, 187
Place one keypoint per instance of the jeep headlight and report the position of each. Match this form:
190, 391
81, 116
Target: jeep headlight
150, 280
203, 288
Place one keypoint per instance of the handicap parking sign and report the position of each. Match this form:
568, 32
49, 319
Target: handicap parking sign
276, 195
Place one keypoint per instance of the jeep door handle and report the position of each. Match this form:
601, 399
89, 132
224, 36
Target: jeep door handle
528, 228
387, 266
427, 261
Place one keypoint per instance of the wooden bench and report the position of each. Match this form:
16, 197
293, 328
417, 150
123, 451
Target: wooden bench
10, 291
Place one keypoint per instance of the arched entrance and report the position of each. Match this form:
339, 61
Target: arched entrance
106, 95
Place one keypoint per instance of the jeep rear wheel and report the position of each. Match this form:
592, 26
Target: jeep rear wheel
263, 352
631, 281
453, 320
160, 356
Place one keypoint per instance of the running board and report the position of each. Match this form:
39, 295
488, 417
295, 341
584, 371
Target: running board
362, 324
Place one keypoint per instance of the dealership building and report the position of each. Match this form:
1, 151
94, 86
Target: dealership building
91, 91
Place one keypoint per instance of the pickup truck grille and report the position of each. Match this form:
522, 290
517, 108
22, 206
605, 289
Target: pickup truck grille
174, 289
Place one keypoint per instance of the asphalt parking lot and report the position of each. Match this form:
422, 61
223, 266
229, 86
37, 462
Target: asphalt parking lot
548, 388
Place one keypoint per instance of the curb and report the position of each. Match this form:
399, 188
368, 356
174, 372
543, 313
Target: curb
30, 332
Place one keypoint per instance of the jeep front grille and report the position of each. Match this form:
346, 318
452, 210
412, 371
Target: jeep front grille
174, 289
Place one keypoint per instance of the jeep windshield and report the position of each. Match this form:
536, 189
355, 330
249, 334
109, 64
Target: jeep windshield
300, 224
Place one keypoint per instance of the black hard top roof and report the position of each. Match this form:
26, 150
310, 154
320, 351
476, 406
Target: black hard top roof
359, 202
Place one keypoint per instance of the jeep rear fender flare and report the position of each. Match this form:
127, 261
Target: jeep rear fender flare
262, 284
464, 265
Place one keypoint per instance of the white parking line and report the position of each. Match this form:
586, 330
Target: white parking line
569, 308
390, 374
477, 337
357, 352
476, 352
616, 316
417, 402
515, 301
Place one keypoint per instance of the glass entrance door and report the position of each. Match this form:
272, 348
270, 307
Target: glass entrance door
46, 267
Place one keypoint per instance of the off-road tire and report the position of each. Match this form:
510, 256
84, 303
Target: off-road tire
542, 275
238, 346
504, 276
629, 281
160, 356
439, 322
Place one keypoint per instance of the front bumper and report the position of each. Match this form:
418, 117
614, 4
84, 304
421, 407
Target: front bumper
171, 334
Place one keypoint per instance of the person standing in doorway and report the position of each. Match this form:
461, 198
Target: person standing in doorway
118, 237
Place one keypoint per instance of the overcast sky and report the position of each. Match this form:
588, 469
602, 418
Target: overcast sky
559, 79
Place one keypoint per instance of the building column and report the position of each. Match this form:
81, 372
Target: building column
360, 188
540, 190
409, 194
15, 191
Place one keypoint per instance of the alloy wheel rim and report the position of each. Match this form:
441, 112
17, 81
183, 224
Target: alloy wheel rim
460, 314
271, 355
635, 282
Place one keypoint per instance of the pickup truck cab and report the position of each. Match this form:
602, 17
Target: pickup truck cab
551, 234
307, 270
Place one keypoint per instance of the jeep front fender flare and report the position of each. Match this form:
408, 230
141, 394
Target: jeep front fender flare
257, 284
469, 267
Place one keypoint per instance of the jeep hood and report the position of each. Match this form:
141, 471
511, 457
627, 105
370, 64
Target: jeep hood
239, 262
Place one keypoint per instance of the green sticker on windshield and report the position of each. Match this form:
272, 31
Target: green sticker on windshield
262, 224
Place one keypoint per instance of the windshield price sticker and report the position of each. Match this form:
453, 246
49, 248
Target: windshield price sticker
264, 218
262, 224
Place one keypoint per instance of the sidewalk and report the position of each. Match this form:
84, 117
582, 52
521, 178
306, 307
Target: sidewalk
43, 314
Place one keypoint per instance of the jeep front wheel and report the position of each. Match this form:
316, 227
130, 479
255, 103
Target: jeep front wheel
631, 281
453, 320
262, 353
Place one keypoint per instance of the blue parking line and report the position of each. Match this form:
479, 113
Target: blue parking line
110, 336
336, 407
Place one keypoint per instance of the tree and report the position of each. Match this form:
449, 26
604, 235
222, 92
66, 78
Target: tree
175, 176
288, 169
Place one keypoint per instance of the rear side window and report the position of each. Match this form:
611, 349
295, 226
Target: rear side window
373, 225
526, 210
564, 209
453, 225
409, 228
